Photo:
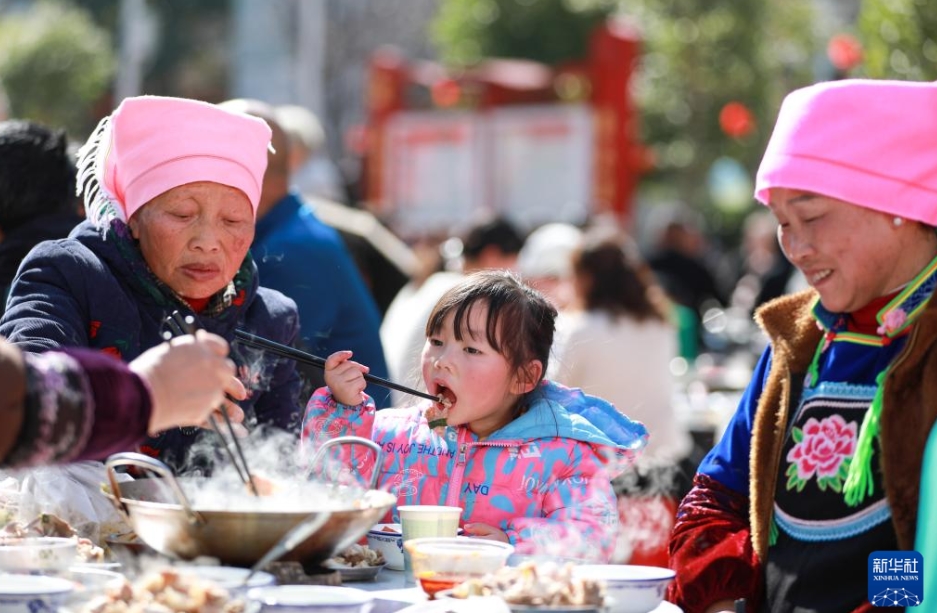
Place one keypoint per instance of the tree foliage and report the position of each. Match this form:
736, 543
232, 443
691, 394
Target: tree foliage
55, 63
549, 31
697, 57
899, 39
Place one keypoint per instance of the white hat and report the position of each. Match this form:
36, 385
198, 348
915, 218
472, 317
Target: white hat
548, 251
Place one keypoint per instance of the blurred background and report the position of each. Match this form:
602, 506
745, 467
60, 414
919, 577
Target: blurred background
637, 103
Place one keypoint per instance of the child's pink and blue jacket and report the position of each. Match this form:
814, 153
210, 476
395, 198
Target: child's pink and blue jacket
544, 479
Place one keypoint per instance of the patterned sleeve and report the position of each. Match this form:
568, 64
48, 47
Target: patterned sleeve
711, 549
326, 419
579, 516
80, 404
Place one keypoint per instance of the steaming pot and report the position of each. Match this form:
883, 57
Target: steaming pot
159, 512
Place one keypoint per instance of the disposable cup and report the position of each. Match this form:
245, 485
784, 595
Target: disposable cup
421, 520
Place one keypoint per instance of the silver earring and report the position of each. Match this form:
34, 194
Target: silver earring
897, 221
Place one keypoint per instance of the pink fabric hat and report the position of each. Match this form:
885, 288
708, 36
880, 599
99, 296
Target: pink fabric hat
867, 142
152, 144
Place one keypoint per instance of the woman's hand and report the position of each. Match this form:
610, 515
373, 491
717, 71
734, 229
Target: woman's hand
345, 378
188, 378
486, 532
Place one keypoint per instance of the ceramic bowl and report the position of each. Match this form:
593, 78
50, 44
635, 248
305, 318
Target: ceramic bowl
43, 553
88, 583
440, 563
31, 593
633, 589
388, 539
495, 603
311, 599
232, 578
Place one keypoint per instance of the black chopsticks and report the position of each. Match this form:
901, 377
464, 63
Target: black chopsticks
179, 325
313, 360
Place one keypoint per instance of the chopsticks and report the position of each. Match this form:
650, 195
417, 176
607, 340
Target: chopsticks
178, 326
313, 360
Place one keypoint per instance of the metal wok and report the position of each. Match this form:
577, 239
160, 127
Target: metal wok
159, 512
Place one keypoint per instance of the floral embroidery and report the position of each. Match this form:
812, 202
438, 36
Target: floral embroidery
823, 448
93, 329
114, 351
892, 321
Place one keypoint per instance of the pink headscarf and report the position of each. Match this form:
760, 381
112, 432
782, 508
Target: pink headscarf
152, 144
870, 143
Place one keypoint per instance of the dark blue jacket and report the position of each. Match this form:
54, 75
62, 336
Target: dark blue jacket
89, 290
307, 260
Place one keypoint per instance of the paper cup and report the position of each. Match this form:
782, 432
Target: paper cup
421, 520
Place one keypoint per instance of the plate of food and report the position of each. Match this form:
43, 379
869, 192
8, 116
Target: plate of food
545, 587
357, 563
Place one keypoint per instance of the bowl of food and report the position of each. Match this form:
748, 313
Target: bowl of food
388, 539
310, 599
31, 593
632, 588
37, 553
88, 583
544, 587
441, 563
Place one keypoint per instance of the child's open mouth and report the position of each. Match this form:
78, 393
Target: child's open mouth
446, 397
445, 400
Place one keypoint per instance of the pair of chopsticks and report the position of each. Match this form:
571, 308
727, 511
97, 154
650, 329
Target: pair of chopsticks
313, 360
180, 325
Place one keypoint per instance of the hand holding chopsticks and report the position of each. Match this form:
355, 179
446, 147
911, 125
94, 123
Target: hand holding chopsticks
313, 360
180, 325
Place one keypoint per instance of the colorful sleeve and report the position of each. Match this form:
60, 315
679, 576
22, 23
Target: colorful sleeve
579, 515
79, 405
326, 419
710, 546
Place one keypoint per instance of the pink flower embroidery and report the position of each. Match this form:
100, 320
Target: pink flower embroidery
893, 321
822, 447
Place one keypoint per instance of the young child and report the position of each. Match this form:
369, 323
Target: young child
529, 461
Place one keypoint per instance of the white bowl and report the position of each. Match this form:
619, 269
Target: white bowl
389, 542
30, 593
88, 583
633, 589
311, 598
231, 578
43, 553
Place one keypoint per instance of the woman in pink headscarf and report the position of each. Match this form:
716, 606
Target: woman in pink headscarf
820, 466
171, 187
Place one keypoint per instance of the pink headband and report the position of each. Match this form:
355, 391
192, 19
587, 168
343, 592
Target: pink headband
866, 142
152, 144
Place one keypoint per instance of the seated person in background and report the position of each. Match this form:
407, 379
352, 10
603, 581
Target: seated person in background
307, 260
616, 342
821, 464
529, 461
80, 404
171, 190
37, 193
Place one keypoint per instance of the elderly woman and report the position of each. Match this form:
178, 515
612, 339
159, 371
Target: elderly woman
171, 187
821, 464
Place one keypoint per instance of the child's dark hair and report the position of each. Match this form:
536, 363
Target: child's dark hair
520, 320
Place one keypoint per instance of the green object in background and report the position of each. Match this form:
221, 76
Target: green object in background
926, 543
687, 331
